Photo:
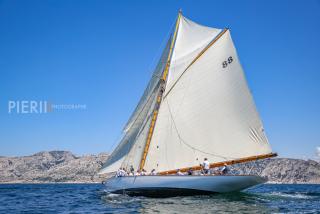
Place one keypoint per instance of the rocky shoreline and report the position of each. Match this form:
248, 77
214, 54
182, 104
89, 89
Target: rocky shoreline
65, 167
51, 167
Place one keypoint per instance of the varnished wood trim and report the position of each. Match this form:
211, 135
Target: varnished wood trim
218, 164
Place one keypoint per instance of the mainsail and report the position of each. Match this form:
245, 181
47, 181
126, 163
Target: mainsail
206, 109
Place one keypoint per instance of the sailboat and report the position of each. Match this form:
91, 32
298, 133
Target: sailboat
197, 105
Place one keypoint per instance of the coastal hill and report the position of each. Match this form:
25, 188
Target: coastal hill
53, 166
63, 166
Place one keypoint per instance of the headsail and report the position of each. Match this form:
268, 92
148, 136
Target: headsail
134, 134
207, 110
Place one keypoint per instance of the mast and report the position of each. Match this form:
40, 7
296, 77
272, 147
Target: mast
161, 91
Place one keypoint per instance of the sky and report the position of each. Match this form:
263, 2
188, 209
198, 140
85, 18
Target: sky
101, 54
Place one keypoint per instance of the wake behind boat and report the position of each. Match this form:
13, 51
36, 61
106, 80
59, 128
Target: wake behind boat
197, 105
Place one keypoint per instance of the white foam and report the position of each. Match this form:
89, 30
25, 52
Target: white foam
290, 195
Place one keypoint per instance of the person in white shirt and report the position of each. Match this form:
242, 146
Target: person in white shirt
179, 172
138, 173
124, 172
153, 172
121, 172
143, 172
118, 172
206, 166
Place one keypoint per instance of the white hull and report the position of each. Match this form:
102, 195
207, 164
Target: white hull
173, 185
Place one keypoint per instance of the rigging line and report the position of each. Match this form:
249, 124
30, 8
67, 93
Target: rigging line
122, 135
156, 56
148, 115
192, 147
161, 45
186, 88
213, 41
154, 78
134, 147
147, 101
127, 155
166, 38
111, 149
145, 122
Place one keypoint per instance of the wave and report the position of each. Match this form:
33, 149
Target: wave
297, 195
118, 198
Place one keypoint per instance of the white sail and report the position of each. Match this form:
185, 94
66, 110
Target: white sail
133, 158
191, 40
112, 167
151, 87
133, 139
129, 151
207, 110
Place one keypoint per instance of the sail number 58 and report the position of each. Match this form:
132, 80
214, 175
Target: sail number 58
227, 62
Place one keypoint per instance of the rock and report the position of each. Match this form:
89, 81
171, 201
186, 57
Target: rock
63, 166
53, 166
282, 170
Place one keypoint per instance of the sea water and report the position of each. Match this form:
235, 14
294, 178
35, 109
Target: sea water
92, 198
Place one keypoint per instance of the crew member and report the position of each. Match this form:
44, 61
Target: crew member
206, 166
224, 169
121, 172
179, 172
143, 172
131, 169
153, 172
190, 171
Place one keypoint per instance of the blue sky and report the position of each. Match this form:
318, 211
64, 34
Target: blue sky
101, 53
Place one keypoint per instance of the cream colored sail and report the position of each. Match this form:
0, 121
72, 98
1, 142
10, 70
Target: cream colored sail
128, 152
191, 40
133, 158
207, 110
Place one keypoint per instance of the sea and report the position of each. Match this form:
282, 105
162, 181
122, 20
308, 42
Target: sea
92, 198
